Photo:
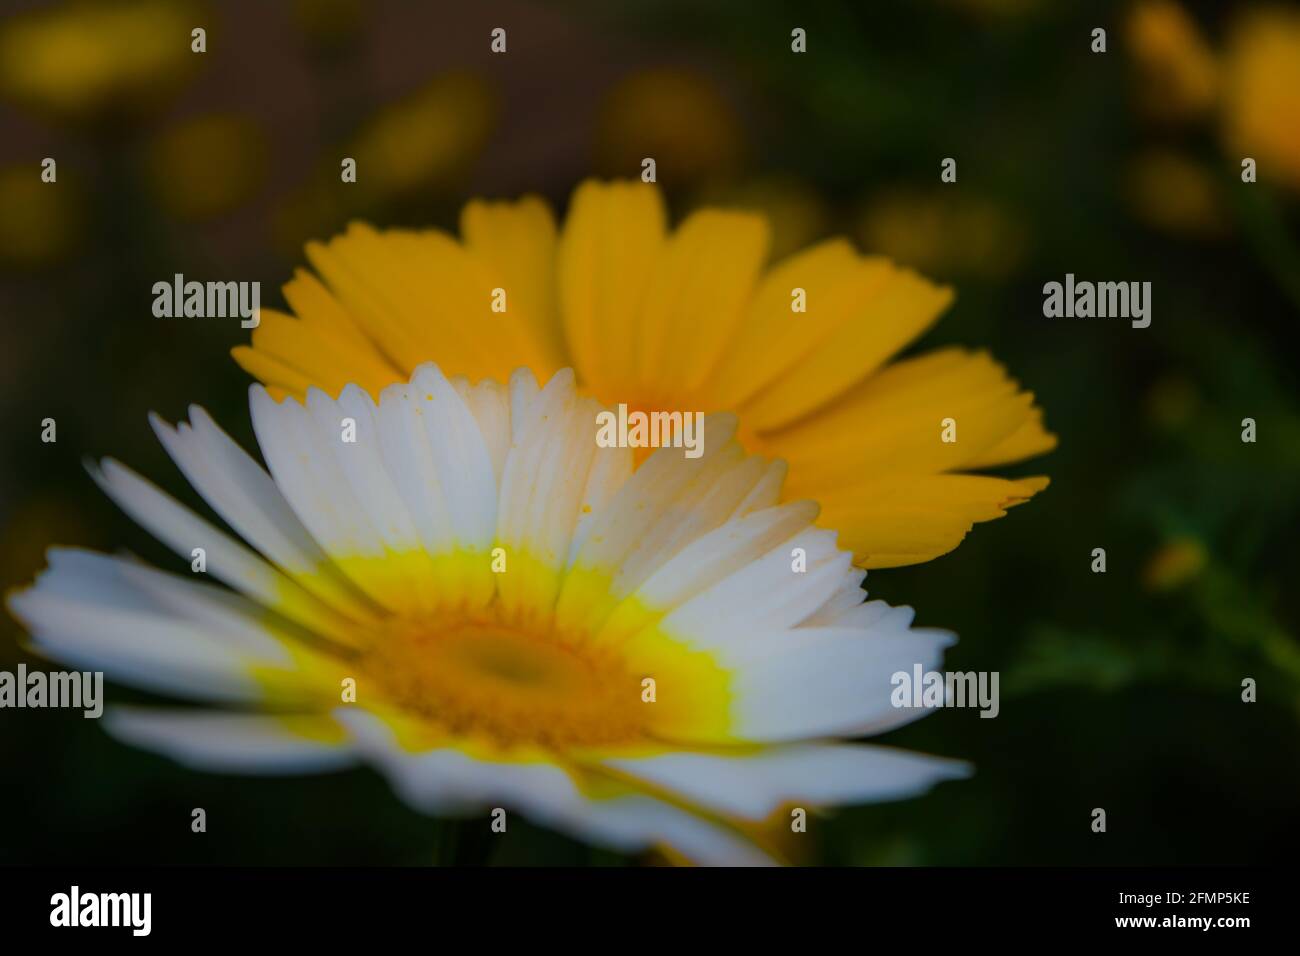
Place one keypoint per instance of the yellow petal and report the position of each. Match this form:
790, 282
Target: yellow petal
324, 357
366, 271
315, 305
896, 422
279, 378
901, 519
694, 300
453, 293
897, 306
771, 337
518, 240
1027, 441
609, 249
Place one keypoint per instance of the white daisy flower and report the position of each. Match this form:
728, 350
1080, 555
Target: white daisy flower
478, 601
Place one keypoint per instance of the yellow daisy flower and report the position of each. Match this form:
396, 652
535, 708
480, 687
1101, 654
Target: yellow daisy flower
1261, 96
84, 58
1179, 73
224, 156
477, 600
690, 320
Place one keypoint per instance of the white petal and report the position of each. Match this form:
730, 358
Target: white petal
297, 446
522, 391
704, 501
555, 477
706, 561
610, 470
238, 489
461, 457
227, 559
91, 610
227, 742
489, 401
405, 585
545, 469
766, 491
649, 499
668, 502
409, 461
248, 500
446, 780
765, 594
817, 682
753, 785
362, 464
839, 607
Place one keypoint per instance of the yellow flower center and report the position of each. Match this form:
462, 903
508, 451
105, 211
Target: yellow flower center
480, 679
518, 672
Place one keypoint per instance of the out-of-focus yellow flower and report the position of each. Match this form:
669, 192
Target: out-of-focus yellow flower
425, 139
40, 220
1174, 564
1261, 95
79, 59
797, 213
1171, 402
948, 234
1177, 70
1176, 194
692, 318
678, 118
417, 147
207, 165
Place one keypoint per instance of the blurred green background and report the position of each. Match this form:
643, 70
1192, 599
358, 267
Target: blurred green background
1119, 690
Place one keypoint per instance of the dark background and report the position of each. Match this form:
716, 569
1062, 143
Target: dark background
1119, 690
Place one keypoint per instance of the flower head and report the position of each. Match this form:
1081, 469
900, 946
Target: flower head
1179, 72
688, 320
456, 585
1261, 108
1175, 193
957, 234
80, 59
224, 152
678, 116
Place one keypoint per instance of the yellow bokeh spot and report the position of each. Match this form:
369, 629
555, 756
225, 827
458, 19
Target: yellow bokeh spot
1172, 402
1174, 564
945, 233
1177, 72
77, 59
677, 117
208, 165
1175, 194
426, 138
1261, 97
